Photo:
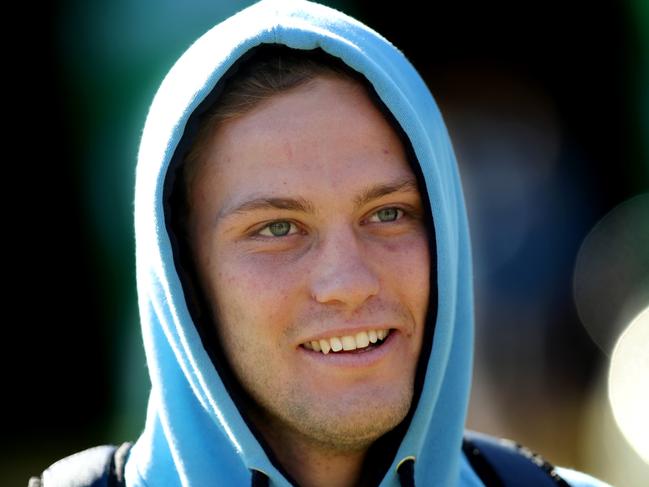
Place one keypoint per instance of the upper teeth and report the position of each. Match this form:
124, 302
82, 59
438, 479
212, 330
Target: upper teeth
348, 342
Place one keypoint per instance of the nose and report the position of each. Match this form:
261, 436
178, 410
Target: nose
342, 274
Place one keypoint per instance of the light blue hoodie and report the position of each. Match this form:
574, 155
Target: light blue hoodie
194, 433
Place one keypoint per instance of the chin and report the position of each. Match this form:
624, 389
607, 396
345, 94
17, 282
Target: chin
353, 427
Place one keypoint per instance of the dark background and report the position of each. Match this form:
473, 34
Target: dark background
546, 104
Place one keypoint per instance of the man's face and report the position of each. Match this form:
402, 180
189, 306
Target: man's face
307, 229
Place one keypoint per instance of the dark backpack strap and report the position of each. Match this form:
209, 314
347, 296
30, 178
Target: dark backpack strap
101, 466
503, 463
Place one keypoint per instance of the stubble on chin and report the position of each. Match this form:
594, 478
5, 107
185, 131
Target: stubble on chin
340, 427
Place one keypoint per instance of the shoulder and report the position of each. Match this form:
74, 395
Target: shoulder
501, 462
86, 467
579, 479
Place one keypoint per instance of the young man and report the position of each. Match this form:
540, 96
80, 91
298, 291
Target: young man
304, 271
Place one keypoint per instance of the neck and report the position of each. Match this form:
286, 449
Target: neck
312, 467
313, 464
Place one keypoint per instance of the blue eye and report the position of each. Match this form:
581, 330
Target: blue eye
277, 229
387, 215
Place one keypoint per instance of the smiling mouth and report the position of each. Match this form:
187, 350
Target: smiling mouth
360, 342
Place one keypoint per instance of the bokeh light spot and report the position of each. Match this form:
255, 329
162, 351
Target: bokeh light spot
628, 384
611, 277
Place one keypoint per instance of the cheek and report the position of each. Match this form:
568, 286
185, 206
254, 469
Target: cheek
409, 262
418, 281
255, 292
406, 272
419, 262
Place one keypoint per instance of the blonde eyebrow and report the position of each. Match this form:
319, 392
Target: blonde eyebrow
303, 205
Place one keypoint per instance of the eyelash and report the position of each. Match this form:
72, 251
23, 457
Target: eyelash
294, 229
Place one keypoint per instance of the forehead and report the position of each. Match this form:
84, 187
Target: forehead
327, 133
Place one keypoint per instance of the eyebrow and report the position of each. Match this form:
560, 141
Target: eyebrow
377, 191
271, 203
305, 206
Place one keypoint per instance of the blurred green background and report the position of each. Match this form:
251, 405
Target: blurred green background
548, 108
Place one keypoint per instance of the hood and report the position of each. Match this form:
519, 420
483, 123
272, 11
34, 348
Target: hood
194, 432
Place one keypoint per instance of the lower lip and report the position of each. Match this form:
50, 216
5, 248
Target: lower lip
351, 359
